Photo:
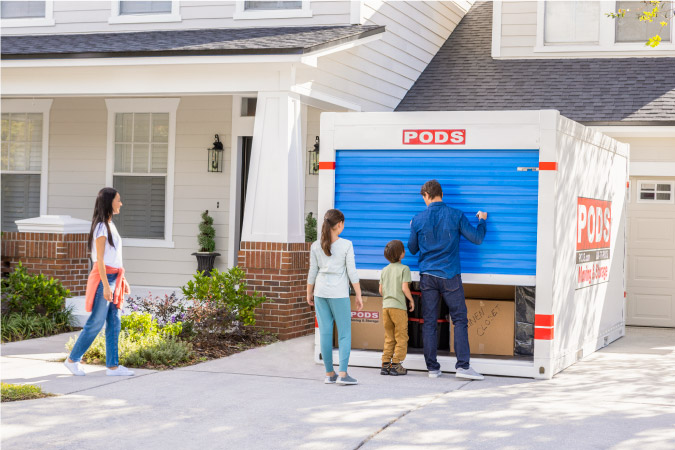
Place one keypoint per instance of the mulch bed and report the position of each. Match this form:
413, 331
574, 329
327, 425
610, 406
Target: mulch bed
214, 347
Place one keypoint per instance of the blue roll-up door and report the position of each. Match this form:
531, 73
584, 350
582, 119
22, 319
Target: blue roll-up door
379, 193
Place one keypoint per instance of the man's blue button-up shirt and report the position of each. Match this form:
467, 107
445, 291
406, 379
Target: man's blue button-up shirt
435, 234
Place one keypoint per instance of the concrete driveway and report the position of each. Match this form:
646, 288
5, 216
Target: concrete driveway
622, 397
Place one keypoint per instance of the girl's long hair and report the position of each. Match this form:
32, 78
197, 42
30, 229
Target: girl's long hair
331, 219
103, 212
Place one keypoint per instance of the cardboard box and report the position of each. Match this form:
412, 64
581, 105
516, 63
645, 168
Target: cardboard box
491, 327
367, 325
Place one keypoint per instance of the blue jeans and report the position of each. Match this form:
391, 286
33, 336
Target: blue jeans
103, 312
340, 311
452, 292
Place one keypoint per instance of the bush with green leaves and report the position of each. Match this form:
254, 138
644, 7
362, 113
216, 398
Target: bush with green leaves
19, 326
143, 342
207, 234
310, 228
26, 293
220, 301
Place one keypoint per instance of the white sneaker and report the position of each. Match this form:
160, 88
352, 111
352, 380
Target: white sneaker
74, 367
434, 373
468, 374
121, 371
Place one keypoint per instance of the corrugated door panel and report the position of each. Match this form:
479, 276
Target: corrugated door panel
379, 193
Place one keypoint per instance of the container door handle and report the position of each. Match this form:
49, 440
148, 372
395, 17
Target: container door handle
528, 169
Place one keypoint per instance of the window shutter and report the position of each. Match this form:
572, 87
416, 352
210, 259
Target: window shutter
143, 201
20, 199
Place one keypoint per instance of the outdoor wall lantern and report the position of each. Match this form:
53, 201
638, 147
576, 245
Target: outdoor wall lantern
314, 158
215, 161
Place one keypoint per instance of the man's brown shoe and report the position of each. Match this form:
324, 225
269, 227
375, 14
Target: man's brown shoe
397, 369
385, 368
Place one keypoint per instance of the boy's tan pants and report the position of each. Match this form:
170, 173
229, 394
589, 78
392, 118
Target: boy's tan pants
395, 335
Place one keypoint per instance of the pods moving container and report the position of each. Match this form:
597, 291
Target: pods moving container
555, 194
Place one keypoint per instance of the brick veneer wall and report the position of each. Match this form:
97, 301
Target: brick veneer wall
279, 272
61, 256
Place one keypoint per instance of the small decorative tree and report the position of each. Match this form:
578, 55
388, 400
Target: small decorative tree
310, 228
207, 234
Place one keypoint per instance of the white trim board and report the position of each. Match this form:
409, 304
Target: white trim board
652, 169
496, 29
146, 105
36, 106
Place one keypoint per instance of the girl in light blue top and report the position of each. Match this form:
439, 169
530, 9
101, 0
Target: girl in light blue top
331, 269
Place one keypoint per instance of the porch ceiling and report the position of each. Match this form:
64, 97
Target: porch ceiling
228, 41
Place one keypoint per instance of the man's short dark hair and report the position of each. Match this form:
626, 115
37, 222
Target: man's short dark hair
394, 250
432, 188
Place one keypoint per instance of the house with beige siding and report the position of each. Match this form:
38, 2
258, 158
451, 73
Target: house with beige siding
131, 94
569, 56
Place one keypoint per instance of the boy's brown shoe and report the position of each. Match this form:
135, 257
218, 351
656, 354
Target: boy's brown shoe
385, 368
397, 369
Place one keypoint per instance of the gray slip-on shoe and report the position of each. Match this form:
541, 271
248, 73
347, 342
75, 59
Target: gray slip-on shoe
468, 374
346, 380
434, 373
331, 379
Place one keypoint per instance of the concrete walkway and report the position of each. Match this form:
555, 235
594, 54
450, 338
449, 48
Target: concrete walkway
622, 397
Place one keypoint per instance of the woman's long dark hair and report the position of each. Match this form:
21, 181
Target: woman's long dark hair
103, 212
331, 219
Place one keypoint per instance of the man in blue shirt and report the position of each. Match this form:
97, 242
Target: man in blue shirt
435, 234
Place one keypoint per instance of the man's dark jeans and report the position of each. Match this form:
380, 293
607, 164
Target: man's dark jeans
452, 291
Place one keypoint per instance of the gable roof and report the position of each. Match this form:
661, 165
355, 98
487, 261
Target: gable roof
226, 41
463, 76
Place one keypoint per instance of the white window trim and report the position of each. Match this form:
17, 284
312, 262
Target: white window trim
46, 21
606, 37
146, 105
241, 14
117, 18
43, 106
666, 202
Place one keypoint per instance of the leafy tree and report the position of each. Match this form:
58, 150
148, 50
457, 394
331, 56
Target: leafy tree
653, 10
207, 234
310, 228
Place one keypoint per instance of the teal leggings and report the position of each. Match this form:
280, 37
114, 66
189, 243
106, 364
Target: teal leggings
340, 311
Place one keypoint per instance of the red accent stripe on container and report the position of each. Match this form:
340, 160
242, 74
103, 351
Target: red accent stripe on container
548, 165
624, 294
412, 319
316, 324
543, 334
327, 165
627, 184
543, 320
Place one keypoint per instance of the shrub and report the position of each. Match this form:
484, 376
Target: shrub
15, 392
165, 310
207, 234
310, 228
143, 342
220, 300
19, 326
25, 293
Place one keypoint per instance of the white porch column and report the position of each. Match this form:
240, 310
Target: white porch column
275, 195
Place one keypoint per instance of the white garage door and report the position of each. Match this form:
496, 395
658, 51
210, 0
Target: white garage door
651, 252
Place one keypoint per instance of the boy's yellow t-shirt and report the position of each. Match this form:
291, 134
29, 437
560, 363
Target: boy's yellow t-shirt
391, 279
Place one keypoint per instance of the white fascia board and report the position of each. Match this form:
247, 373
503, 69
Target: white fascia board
310, 59
652, 169
152, 61
322, 100
496, 29
636, 131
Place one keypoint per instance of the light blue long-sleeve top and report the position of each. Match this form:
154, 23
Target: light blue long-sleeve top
331, 275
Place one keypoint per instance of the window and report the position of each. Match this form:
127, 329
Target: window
656, 191
271, 9
572, 22
141, 145
630, 29
248, 105
22, 9
134, 7
24, 131
27, 13
266, 5
126, 11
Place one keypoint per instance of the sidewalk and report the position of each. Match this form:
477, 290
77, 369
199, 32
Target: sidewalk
622, 397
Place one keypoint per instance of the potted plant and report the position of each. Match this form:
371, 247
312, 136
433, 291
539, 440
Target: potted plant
206, 256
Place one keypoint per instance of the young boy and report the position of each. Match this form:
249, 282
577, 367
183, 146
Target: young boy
394, 289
